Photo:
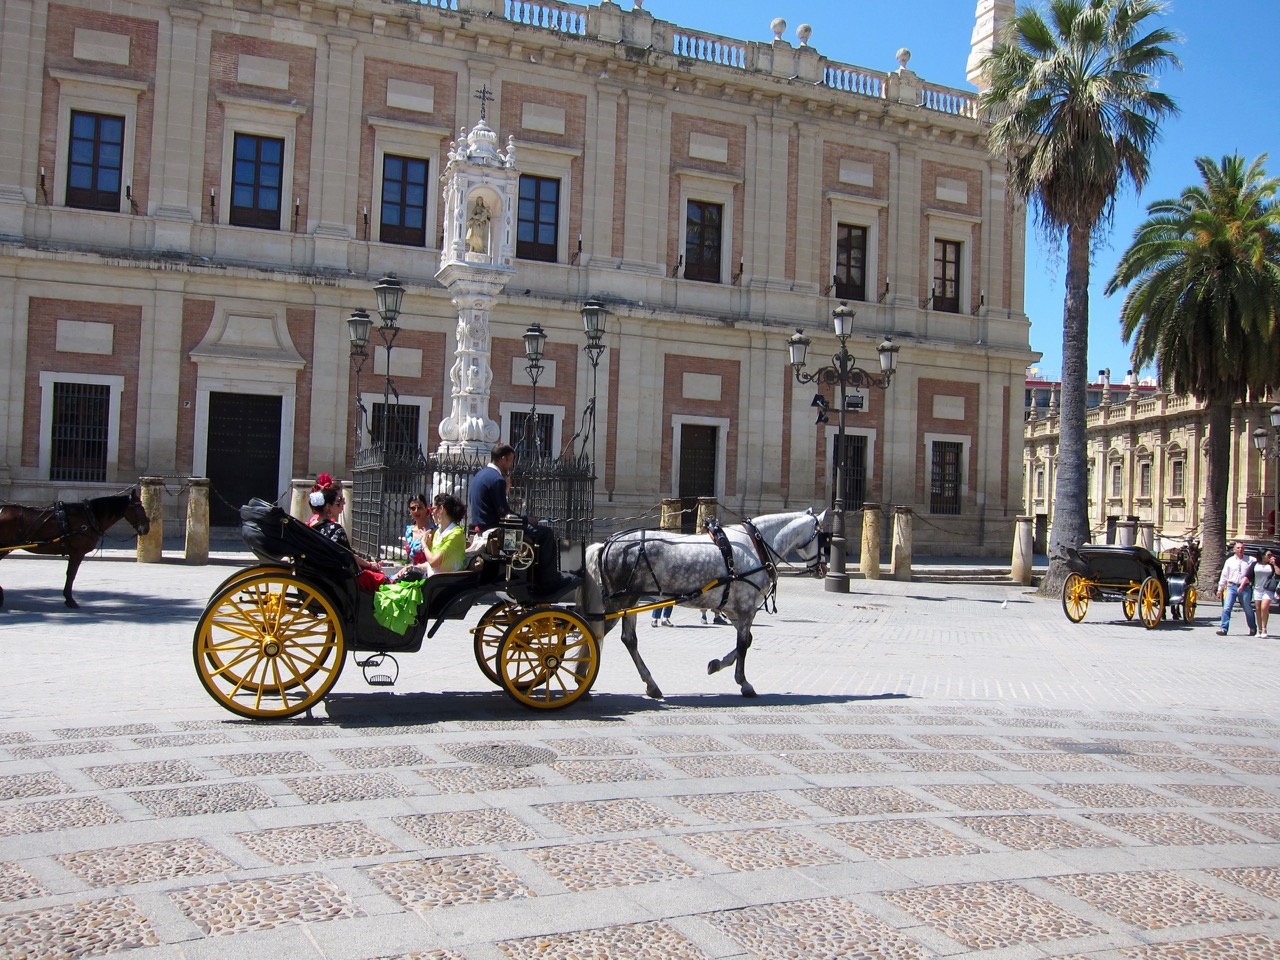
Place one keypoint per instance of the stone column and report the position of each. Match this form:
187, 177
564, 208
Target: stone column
707, 510
870, 564
469, 428
1023, 557
1147, 535
671, 518
1125, 533
299, 490
197, 548
900, 558
151, 547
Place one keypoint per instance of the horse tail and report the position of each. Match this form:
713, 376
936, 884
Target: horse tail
591, 593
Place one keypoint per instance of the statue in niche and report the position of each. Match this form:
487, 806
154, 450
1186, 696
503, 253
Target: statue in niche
478, 227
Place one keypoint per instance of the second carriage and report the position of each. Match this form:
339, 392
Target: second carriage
1145, 585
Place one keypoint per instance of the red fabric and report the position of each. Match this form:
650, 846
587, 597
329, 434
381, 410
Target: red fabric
370, 580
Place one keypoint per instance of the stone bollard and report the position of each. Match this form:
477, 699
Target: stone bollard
299, 490
671, 518
707, 508
1125, 533
1147, 535
1023, 547
151, 547
900, 558
197, 547
870, 563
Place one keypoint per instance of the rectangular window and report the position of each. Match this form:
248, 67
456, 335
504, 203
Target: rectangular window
702, 241
404, 201
1177, 478
851, 262
1117, 479
532, 440
1144, 480
944, 494
853, 473
1039, 484
946, 276
94, 168
537, 229
81, 421
257, 175
402, 426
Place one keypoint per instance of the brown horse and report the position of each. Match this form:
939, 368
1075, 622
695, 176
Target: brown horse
70, 529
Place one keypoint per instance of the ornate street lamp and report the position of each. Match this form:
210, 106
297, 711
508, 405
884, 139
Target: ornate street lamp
593, 314
358, 325
1267, 443
535, 339
389, 294
844, 374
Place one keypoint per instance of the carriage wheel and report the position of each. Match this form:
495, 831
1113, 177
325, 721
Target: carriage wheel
1075, 597
1151, 602
548, 658
1189, 603
248, 573
1128, 608
488, 634
269, 647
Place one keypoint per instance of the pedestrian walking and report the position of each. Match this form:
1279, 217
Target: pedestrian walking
1233, 582
1266, 577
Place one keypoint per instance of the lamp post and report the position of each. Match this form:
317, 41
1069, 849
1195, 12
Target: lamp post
1267, 443
534, 341
358, 325
844, 374
389, 294
593, 314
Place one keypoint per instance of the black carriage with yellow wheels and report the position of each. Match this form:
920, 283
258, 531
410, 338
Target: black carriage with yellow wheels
274, 637
1144, 585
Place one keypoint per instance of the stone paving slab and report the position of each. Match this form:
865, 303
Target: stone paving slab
931, 771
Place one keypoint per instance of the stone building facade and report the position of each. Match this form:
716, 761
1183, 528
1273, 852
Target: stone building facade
194, 198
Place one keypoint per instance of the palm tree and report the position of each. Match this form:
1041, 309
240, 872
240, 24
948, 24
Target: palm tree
1073, 91
1203, 279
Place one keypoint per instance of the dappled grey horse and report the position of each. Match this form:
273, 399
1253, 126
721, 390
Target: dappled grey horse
733, 576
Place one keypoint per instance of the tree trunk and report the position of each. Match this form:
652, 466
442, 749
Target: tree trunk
1213, 524
1070, 494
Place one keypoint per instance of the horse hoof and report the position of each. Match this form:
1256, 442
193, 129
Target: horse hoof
72, 604
713, 667
748, 690
655, 693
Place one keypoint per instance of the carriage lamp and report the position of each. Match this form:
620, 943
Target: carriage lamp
842, 373
535, 339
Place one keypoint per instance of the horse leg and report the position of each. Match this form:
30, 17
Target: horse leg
631, 642
740, 674
73, 564
715, 666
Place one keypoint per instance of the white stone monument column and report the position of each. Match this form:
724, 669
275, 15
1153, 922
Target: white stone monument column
477, 259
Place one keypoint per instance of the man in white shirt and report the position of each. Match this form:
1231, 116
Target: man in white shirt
1235, 582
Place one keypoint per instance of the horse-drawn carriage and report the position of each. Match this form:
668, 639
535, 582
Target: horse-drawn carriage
273, 639
1144, 584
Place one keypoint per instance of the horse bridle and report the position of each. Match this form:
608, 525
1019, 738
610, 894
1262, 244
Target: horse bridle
821, 536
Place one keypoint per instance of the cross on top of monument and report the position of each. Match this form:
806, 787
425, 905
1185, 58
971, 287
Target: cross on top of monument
484, 96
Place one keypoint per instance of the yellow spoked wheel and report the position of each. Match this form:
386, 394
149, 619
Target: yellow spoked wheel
1151, 603
1189, 603
1075, 597
488, 634
548, 658
270, 646
1129, 608
248, 573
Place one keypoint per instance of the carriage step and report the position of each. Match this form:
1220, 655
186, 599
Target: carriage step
375, 662
380, 680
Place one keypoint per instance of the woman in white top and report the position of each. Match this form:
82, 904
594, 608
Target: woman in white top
1265, 576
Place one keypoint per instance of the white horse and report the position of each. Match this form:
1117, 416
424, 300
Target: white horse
733, 577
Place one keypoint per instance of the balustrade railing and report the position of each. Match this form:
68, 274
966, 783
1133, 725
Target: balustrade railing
561, 17
439, 4
948, 100
853, 80
710, 49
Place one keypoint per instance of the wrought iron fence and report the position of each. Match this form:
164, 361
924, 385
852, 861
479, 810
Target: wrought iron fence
559, 490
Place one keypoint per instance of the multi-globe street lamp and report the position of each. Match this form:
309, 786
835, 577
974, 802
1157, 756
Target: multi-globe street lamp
842, 373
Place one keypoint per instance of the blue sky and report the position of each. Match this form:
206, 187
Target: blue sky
1226, 91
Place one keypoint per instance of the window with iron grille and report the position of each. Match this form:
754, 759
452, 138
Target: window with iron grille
80, 427
1144, 479
1178, 478
404, 201
1039, 484
944, 494
94, 167
537, 226
702, 241
402, 425
946, 276
1117, 480
851, 262
532, 439
853, 470
257, 177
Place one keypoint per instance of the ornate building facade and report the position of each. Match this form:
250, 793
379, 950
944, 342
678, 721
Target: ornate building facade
195, 197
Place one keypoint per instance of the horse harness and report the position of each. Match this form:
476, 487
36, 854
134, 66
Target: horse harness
59, 510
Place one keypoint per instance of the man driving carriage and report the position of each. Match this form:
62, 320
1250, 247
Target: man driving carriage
487, 505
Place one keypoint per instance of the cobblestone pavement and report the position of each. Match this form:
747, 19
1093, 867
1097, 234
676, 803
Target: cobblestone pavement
931, 770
